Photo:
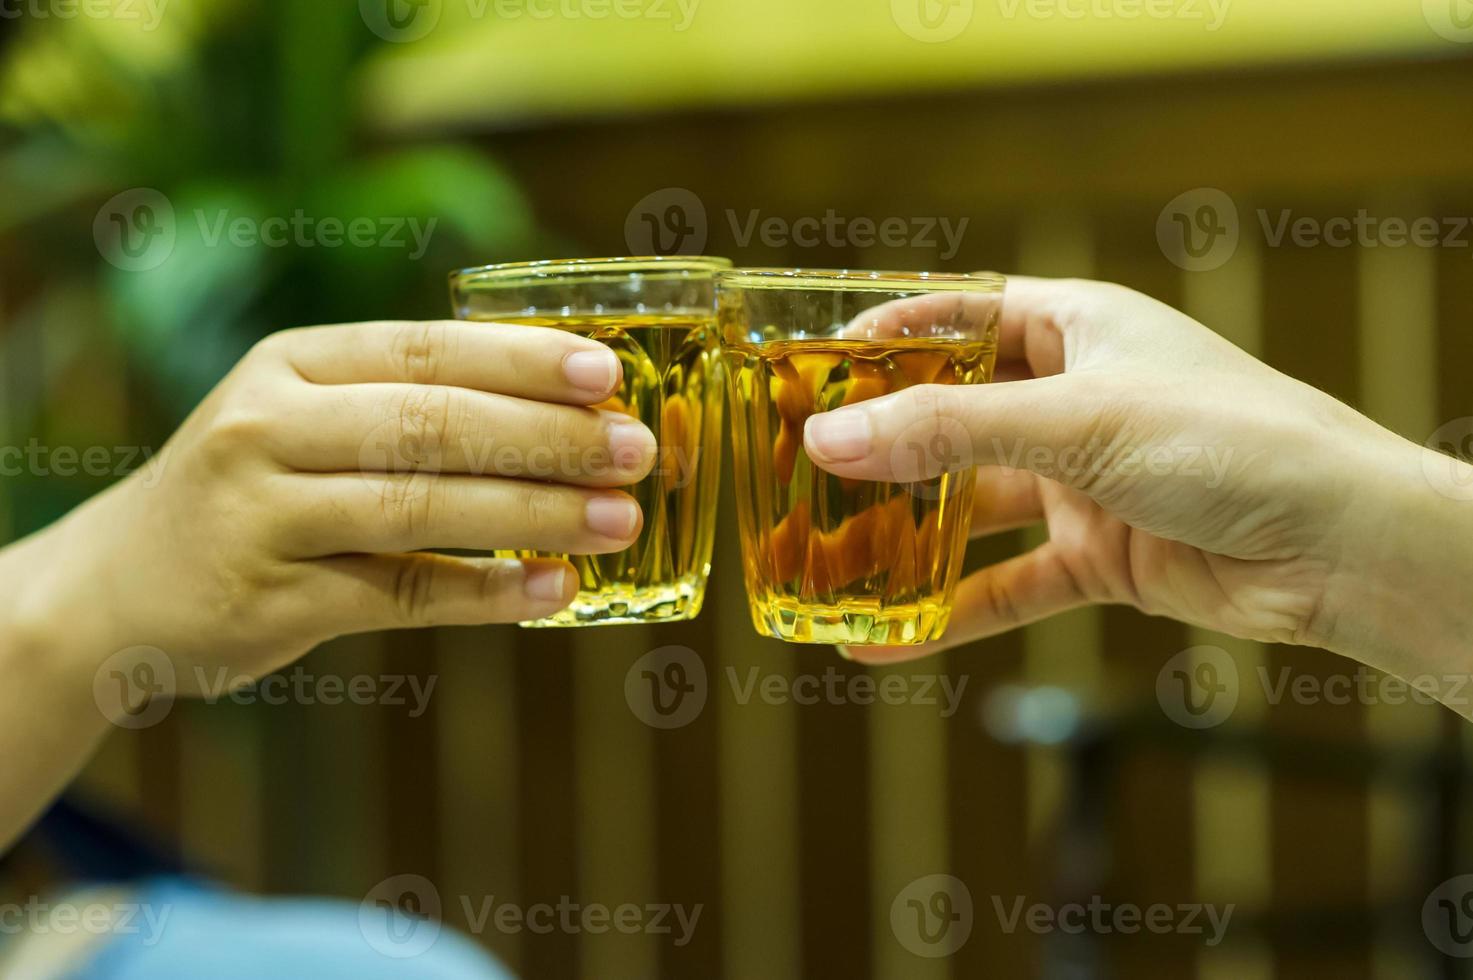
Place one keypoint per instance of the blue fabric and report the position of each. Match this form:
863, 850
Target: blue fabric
190, 931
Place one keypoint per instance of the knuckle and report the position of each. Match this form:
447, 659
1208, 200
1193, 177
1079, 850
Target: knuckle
556, 432
270, 348
998, 605
409, 503
239, 426
423, 417
930, 440
417, 351
933, 405
496, 581
414, 589
543, 509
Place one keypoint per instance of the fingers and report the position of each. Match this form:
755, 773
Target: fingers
1005, 501
926, 430
942, 314
539, 363
1034, 316
342, 513
374, 592
403, 428
999, 598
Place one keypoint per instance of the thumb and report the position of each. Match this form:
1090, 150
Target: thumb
927, 430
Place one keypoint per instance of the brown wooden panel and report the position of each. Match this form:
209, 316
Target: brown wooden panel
549, 834
1152, 815
834, 832
411, 759
988, 779
688, 806
1319, 819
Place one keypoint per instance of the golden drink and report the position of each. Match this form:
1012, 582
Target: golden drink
831, 560
672, 383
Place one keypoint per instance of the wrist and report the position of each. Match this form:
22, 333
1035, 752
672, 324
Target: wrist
1401, 598
54, 613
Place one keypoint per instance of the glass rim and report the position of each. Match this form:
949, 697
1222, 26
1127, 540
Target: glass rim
861, 279
554, 268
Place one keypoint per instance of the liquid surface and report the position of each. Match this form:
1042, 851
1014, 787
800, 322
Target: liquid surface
830, 560
672, 383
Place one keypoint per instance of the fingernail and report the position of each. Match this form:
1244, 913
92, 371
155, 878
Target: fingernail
546, 583
840, 437
613, 517
844, 652
630, 442
594, 371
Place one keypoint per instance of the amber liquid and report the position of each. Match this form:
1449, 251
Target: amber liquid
831, 560
672, 383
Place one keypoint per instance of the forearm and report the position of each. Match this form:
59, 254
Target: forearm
1404, 600
50, 722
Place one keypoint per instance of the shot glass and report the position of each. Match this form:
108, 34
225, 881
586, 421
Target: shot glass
831, 560
658, 316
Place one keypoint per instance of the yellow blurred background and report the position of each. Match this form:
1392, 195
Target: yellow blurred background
1053, 137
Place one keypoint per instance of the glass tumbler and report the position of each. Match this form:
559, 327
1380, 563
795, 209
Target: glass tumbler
658, 316
832, 560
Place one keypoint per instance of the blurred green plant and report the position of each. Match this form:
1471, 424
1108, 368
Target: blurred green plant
231, 111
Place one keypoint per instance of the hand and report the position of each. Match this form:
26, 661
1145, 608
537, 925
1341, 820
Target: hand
1176, 474
290, 506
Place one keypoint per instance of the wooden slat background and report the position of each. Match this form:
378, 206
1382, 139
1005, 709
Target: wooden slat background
529, 779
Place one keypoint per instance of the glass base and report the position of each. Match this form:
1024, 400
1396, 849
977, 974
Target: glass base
856, 622
620, 605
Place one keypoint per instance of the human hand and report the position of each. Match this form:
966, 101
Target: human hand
1176, 474
295, 503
